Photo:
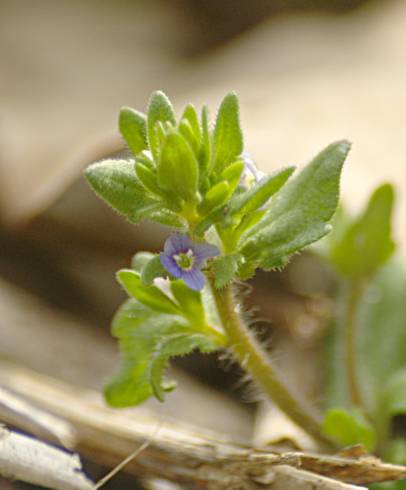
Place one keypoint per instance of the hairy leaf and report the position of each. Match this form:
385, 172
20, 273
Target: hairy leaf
133, 127
148, 295
215, 197
178, 167
116, 183
160, 110
225, 269
190, 116
228, 141
148, 178
147, 340
260, 193
300, 212
205, 153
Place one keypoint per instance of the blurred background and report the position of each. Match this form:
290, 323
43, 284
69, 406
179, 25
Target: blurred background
307, 72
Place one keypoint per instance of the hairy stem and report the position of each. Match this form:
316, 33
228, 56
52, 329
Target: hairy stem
354, 295
255, 360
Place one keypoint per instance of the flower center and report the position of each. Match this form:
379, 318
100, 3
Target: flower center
185, 260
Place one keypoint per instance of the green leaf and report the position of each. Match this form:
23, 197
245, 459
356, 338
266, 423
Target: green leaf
140, 259
159, 110
393, 399
380, 344
225, 269
178, 167
116, 183
148, 178
148, 295
190, 302
147, 340
171, 346
152, 269
166, 217
185, 129
133, 127
190, 116
366, 243
349, 428
261, 192
233, 175
228, 141
206, 146
300, 212
215, 197
395, 452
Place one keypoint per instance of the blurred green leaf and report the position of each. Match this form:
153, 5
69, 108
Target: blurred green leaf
159, 110
300, 212
140, 259
349, 428
147, 340
393, 399
395, 451
380, 345
366, 243
178, 167
116, 183
133, 127
228, 141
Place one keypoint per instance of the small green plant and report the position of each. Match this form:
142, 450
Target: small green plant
227, 221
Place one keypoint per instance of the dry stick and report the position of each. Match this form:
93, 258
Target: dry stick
182, 454
255, 360
26, 459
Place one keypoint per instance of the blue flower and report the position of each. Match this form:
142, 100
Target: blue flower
184, 258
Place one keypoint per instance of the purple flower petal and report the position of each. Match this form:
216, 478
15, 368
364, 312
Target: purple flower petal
194, 279
177, 243
203, 251
250, 168
170, 265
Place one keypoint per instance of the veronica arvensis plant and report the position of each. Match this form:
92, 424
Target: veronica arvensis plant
227, 220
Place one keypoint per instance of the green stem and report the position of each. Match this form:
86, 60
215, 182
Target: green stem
354, 296
255, 360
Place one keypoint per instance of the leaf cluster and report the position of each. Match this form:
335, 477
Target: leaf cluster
194, 177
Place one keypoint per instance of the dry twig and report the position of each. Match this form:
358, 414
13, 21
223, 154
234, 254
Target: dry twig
179, 453
29, 460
